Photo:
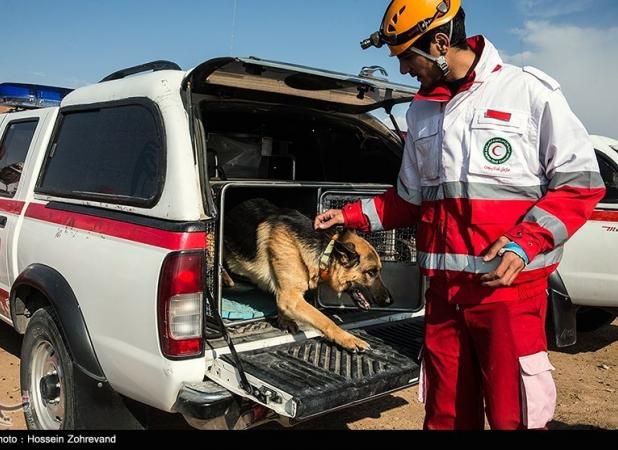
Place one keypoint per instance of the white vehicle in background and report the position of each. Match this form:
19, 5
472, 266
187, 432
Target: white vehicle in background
584, 290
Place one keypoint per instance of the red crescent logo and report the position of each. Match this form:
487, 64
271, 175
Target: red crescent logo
493, 150
498, 151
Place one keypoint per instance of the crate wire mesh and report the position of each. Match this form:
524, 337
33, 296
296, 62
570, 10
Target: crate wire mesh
210, 273
392, 246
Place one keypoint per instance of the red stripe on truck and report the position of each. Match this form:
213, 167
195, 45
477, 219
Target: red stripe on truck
11, 206
135, 233
605, 216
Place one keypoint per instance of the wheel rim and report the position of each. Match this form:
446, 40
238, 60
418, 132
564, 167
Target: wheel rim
47, 386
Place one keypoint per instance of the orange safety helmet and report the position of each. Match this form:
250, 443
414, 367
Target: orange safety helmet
405, 21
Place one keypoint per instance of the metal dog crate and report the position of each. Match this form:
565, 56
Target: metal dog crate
397, 248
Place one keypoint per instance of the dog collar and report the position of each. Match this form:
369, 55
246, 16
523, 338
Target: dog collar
326, 257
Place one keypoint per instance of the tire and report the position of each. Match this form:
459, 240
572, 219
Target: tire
591, 319
46, 375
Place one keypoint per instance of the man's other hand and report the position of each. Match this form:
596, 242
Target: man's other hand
508, 270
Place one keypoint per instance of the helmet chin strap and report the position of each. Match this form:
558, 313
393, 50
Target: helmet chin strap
439, 60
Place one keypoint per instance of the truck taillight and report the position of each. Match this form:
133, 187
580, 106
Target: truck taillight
180, 306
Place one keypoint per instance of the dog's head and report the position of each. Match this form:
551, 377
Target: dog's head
355, 270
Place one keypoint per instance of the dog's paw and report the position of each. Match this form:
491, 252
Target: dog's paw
353, 344
287, 325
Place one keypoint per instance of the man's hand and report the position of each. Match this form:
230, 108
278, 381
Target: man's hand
329, 219
508, 270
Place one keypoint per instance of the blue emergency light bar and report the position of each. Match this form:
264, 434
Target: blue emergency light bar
31, 95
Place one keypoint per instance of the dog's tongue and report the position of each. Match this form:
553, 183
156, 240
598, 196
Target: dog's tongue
361, 301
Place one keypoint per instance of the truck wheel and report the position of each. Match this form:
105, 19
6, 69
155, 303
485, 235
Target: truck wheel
46, 375
591, 319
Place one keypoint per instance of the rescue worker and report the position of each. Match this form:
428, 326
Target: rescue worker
497, 174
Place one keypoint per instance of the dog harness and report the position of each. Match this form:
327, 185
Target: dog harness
325, 259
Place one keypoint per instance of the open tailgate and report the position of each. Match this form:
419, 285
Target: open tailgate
304, 379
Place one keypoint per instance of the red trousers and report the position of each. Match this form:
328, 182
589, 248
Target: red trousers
488, 359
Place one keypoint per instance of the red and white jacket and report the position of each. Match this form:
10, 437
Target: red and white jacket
505, 156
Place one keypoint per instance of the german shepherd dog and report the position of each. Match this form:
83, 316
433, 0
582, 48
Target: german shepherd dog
280, 252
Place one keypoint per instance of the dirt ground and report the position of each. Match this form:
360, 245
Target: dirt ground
586, 376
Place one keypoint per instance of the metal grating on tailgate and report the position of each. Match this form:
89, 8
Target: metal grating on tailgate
338, 363
321, 376
405, 336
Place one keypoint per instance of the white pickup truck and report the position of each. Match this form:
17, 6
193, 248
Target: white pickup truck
111, 224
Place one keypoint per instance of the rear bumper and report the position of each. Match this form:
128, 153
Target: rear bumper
207, 405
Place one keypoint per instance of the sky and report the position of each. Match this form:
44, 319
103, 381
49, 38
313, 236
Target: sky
73, 43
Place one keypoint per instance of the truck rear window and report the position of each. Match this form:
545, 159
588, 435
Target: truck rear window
13, 150
113, 154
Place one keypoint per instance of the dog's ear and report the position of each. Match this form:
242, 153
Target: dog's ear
345, 253
346, 234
